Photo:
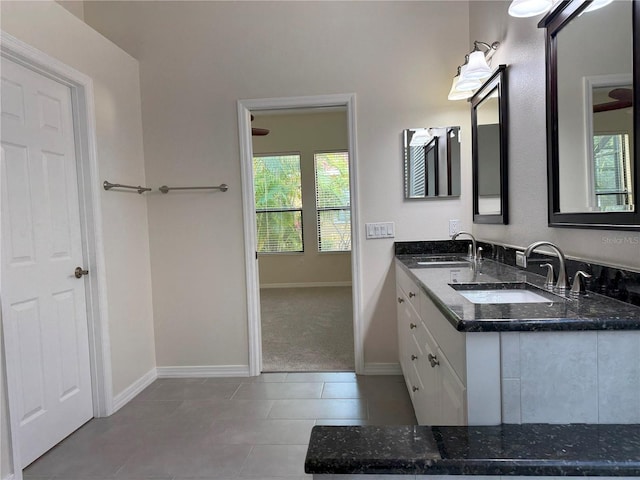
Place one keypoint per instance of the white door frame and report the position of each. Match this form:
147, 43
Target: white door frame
82, 103
248, 205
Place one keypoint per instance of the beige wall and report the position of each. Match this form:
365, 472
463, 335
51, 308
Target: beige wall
74, 6
197, 59
305, 134
523, 50
52, 29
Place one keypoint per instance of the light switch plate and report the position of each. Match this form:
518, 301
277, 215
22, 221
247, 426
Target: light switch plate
380, 230
521, 260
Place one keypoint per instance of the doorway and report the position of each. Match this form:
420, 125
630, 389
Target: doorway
303, 208
245, 108
55, 339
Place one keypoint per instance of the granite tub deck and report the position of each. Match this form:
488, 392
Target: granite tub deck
589, 312
506, 450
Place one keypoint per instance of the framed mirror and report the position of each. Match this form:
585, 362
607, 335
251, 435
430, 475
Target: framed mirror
489, 129
431, 162
593, 72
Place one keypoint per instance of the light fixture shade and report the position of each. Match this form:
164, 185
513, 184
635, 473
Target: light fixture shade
466, 84
596, 4
477, 68
529, 8
455, 94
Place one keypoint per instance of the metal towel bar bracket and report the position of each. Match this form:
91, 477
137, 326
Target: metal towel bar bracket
223, 188
109, 186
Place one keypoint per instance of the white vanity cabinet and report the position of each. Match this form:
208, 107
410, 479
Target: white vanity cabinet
453, 377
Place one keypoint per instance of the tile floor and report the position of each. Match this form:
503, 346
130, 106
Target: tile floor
223, 428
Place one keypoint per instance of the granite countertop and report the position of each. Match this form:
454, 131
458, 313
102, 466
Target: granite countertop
531, 449
589, 312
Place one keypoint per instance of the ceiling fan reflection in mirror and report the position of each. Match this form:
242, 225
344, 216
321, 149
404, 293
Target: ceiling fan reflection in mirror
258, 132
623, 98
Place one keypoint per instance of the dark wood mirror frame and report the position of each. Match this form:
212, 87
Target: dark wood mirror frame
553, 23
498, 80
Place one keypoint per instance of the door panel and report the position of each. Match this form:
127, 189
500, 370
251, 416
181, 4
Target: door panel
41, 230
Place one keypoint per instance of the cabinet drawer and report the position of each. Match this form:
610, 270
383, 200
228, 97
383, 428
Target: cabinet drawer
410, 288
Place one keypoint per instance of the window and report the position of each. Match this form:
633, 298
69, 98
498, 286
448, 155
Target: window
278, 197
333, 202
612, 172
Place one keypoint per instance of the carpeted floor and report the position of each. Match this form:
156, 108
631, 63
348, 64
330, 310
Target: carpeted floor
307, 329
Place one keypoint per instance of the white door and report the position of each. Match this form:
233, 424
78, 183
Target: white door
44, 302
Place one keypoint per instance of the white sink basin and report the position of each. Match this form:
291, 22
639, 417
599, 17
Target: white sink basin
503, 296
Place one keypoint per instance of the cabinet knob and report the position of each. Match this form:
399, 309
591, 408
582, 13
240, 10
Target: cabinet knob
414, 388
400, 300
433, 360
413, 357
412, 326
411, 294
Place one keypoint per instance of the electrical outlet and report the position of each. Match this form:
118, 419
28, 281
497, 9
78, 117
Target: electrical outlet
521, 260
454, 227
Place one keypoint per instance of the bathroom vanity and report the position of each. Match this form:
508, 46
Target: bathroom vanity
507, 378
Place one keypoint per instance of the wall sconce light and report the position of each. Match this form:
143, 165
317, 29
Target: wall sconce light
455, 93
596, 4
473, 71
529, 8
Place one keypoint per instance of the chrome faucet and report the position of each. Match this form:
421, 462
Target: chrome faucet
474, 249
563, 283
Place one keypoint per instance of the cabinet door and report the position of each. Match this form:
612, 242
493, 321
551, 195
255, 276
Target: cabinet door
430, 378
453, 395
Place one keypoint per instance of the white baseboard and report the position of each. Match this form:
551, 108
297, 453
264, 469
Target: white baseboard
204, 371
382, 369
124, 397
306, 285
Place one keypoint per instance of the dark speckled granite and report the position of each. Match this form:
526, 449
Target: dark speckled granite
618, 283
589, 312
527, 450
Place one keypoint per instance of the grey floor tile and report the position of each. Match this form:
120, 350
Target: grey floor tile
323, 408
321, 377
391, 412
269, 391
343, 390
262, 432
275, 460
270, 377
142, 411
199, 391
210, 410
380, 380
342, 422
180, 429
188, 456
90, 452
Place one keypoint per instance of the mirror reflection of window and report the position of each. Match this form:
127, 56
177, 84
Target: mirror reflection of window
595, 112
612, 172
431, 162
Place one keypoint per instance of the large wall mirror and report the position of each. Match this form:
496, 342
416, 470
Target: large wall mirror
489, 127
592, 126
431, 162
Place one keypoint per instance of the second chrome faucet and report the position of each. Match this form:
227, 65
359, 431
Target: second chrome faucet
563, 282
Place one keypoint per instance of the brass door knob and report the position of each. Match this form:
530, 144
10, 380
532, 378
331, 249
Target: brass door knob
79, 272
